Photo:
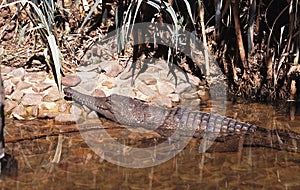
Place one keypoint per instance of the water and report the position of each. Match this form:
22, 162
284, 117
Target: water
34, 144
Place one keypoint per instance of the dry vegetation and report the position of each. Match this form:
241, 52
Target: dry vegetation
256, 43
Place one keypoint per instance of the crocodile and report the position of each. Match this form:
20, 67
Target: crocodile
165, 121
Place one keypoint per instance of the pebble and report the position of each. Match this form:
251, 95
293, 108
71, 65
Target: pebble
92, 115
88, 68
163, 100
141, 96
165, 88
35, 77
174, 97
17, 95
23, 85
9, 105
19, 72
66, 119
5, 70
148, 79
188, 95
16, 80
52, 95
146, 89
32, 99
85, 76
35, 111
108, 84
48, 105
98, 93
62, 107
40, 87
88, 85
183, 87
75, 110
8, 87
19, 112
70, 80
111, 68
126, 75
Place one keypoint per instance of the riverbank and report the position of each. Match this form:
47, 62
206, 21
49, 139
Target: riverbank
35, 95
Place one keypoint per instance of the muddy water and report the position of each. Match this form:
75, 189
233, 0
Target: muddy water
34, 144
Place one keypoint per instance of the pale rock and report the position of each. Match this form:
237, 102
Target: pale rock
196, 103
165, 88
126, 83
148, 79
23, 85
75, 110
70, 80
87, 75
126, 75
19, 72
141, 96
6, 77
66, 119
183, 87
52, 95
188, 95
8, 87
41, 87
62, 107
88, 68
32, 99
19, 112
146, 89
193, 79
88, 85
174, 97
153, 70
17, 95
92, 115
48, 105
35, 111
9, 105
5, 69
35, 77
111, 68
16, 80
163, 101
98, 93
129, 92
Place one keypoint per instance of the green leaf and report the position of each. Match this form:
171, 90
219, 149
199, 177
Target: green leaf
22, 34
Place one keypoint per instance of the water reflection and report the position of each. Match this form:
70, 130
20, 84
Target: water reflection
8, 165
79, 167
